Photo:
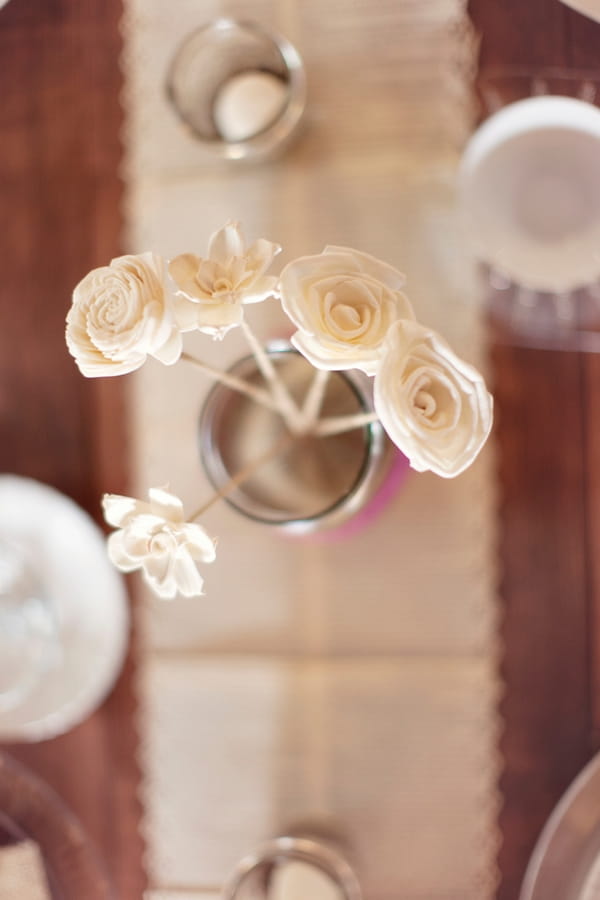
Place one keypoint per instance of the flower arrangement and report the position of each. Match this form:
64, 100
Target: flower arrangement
349, 311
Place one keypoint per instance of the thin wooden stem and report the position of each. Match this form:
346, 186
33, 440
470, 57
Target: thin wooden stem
314, 398
236, 384
284, 441
340, 424
286, 405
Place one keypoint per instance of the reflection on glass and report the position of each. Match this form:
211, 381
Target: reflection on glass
29, 643
316, 484
239, 88
294, 868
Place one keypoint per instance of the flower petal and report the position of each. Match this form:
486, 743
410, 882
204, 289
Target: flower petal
312, 268
118, 509
332, 358
119, 314
105, 368
201, 546
164, 587
226, 243
118, 554
166, 505
183, 270
218, 319
260, 255
185, 311
158, 566
261, 289
383, 272
433, 405
156, 539
169, 352
343, 303
188, 578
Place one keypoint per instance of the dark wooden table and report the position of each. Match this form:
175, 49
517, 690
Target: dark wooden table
548, 431
60, 216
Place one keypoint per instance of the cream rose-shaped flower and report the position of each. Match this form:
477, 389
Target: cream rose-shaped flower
155, 538
121, 314
343, 303
214, 289
434, 406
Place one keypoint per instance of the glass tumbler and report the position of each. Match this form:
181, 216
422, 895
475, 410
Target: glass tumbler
326, 485
239, 88
291, 867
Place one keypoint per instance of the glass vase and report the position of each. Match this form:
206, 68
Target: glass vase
64, 619
327, 485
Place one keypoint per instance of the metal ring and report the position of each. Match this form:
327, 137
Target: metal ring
256, 869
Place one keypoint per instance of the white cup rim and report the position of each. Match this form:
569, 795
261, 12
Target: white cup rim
530, 114
523, 117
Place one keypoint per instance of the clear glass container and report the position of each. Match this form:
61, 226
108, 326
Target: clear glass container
239, 88
317, 484
294, 866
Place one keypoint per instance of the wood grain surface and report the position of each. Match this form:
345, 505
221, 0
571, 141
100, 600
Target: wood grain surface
59, 217
548, 432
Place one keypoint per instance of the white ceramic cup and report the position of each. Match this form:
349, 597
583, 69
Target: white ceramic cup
64, 617
529, 188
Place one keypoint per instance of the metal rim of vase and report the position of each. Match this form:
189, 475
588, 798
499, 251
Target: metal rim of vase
297, 849
367, 480
274, 137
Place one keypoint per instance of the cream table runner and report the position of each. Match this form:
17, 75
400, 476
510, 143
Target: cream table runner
354, 681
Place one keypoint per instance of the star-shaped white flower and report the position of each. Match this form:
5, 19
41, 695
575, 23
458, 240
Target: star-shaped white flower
211, 291
155, 538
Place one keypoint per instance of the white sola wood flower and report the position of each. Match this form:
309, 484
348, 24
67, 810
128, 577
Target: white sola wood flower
434, 406
217, 286
120, 314
343, 303
154, 537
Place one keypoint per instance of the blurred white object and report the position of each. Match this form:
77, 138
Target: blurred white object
63, 613
530, 192
248, 103
589, 8
565, 864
